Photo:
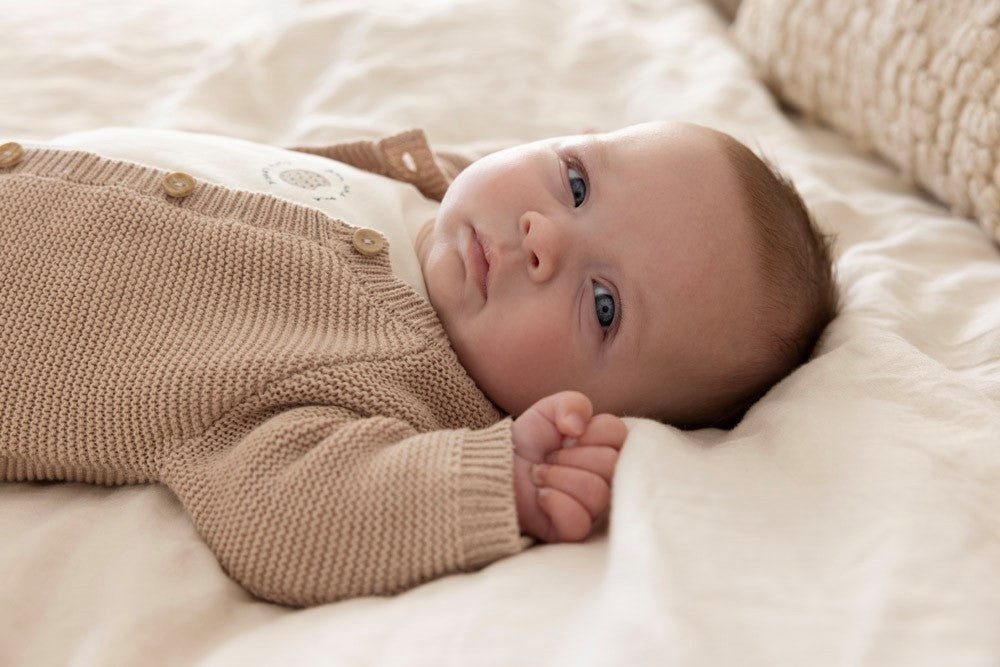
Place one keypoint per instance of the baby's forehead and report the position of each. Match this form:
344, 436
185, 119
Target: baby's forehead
676, 154
659, 134
682, 172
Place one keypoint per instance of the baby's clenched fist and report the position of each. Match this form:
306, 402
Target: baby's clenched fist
564, 461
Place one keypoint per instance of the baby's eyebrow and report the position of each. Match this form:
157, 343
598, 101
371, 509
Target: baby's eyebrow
595, 153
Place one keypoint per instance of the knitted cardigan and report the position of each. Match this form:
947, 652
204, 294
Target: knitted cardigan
302, 402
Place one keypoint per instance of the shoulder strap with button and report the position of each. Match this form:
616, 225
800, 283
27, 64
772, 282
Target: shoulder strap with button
405, 156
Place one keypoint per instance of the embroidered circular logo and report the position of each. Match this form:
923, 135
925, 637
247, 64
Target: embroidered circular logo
310, 180
323, 185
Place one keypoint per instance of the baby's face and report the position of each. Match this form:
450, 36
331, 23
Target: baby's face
620, 265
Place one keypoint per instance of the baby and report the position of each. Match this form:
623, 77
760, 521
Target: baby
661, 271
330, 432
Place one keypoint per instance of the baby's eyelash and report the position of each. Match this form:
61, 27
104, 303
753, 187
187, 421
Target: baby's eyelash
574, 161
575, 175
616, 326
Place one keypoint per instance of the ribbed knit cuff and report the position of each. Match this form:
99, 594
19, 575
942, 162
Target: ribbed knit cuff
488, 519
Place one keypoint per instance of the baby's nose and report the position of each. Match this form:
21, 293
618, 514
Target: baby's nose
543, 244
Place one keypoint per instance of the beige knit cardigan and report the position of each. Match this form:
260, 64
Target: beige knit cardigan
302, 402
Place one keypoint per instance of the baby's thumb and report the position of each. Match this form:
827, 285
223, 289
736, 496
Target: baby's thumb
569, 411
554, 421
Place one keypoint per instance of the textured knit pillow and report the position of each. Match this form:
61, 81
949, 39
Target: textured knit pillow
918, 81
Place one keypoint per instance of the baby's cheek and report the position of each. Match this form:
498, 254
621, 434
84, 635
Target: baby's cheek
528, 365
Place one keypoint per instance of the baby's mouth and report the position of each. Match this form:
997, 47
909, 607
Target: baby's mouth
479, 265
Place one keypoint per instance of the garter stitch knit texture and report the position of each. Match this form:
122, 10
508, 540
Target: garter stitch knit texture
302, 402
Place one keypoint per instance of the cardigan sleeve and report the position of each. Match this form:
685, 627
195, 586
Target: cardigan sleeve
315, 505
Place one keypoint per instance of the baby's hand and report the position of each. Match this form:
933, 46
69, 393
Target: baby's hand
564, 460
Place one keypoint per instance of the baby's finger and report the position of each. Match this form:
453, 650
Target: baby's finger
604, 429
549, 421
572, 412
598, 460
567, 411
587, 488
570, 520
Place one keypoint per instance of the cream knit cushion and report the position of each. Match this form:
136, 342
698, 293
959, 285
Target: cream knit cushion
915, 80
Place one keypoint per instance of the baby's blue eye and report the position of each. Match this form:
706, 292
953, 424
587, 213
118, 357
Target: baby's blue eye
577, 186
605, 305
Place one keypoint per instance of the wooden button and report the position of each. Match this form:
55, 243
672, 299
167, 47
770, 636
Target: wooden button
368, 241
10, 154
178, 184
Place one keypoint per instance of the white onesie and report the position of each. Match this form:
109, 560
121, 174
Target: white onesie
359, 198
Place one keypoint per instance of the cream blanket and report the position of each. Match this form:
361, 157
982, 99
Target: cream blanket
853, 518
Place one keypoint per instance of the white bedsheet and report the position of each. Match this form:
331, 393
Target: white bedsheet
853, 518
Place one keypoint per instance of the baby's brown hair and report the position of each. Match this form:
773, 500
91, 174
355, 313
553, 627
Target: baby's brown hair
796, 271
